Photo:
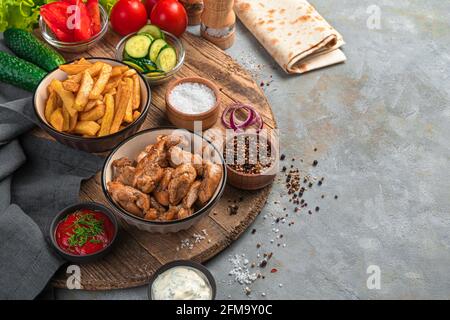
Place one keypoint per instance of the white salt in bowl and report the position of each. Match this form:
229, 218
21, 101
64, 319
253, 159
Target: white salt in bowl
207, 118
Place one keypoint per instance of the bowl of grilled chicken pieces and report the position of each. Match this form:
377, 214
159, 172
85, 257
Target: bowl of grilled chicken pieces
164, 180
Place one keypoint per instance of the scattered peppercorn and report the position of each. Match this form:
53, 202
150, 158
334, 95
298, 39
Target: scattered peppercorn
282, 157
315, 162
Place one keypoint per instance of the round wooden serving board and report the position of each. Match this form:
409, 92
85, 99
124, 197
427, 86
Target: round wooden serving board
139, 254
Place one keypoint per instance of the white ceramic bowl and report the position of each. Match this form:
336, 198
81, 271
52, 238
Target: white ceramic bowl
131, 148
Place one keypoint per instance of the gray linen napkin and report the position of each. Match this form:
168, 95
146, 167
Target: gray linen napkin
37, 179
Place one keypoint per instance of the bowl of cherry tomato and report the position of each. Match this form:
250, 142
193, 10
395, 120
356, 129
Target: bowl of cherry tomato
84, 232
61, 31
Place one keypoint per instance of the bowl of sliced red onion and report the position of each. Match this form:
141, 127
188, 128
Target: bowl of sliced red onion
240, 117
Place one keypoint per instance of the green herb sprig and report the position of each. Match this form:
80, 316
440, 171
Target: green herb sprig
85, 229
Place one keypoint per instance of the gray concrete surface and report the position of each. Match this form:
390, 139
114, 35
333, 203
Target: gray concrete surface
381, 126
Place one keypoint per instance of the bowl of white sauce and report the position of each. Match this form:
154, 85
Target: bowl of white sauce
192, 101
182, 280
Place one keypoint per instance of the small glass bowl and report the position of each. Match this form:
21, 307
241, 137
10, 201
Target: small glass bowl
171, 40
79, 46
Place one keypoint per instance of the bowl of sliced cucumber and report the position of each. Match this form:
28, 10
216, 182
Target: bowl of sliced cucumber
153, 52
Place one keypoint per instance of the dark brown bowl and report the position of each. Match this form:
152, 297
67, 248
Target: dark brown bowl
88, 258
184, 263
99, 144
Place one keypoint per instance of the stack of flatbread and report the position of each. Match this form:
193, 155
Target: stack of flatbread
293, 32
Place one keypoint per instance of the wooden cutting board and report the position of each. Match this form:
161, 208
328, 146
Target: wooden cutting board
139, 254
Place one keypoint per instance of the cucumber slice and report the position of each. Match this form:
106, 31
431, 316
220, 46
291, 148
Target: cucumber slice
149, 65
148, 35
167, 59
153, 30
134, 65
156, 48
137, 46
155, 74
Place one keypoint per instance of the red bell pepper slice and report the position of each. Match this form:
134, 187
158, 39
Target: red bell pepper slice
94, 13
55, 16
82, 28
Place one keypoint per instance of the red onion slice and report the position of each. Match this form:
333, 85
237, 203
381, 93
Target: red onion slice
253, 117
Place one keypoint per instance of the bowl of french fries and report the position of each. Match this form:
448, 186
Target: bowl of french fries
92, 104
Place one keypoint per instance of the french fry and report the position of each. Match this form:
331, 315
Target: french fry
136, 115
88, 128
50, 105
136, 92
112, 91
83, 94
108, 117
101, 82
129, 73
112, 83
57, 119
99, 121
91, 104
94, 114
73, 68
71, 85
73, 121
83, 61
93, 70
118, 70
67, 97
121, 106
129, 111
66, 117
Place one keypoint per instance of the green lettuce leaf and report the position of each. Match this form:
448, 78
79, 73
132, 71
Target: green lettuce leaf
22, 14
107, 4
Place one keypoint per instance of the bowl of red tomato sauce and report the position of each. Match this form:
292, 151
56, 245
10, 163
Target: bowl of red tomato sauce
84, 232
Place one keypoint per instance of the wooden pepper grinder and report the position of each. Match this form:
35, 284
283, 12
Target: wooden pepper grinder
218, 22
194, 10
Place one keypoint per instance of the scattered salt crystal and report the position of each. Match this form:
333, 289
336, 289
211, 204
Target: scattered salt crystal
240, 271
192, 98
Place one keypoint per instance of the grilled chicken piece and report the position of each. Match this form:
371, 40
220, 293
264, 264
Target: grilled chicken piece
151, 214
123, 171
184, 213
212, 173
155, 204
170, 214
192, 195
160, 148
161, 192
129, 198
178, 156
182, 178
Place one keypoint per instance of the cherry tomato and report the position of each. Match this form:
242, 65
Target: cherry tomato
170, 16
128, 16
149, 4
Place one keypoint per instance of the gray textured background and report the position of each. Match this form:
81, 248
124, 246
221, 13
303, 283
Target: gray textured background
381, 125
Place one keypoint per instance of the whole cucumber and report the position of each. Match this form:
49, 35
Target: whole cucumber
19, 73
26, 46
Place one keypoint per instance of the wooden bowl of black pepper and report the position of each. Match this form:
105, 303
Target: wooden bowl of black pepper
251, 159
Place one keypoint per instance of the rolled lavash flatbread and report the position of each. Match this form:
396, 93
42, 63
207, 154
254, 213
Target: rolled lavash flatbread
293, 32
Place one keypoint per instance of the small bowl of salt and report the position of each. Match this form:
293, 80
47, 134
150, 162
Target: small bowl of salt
192, 103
